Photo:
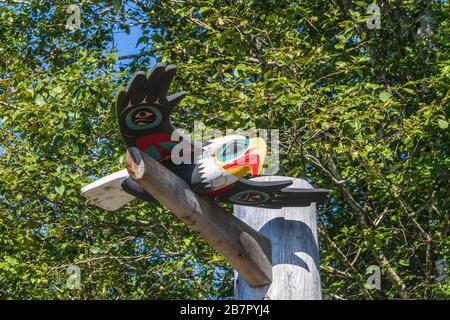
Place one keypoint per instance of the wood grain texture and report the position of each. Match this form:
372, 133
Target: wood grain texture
243, 247
295, 250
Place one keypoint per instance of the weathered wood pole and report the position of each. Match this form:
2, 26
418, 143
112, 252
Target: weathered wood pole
295, 250
243, 247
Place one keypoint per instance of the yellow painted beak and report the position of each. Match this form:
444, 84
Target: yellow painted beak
252, 161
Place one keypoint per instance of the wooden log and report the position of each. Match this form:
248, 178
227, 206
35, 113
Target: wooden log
295, 250
242, 246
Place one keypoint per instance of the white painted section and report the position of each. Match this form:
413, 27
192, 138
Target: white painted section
295, 250
107, 192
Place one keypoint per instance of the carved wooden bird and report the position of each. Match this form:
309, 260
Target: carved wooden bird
216, 168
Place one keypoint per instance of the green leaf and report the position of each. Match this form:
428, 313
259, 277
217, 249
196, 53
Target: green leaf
384, 96
411, 91
112, 56
39, 100
60, 189
95, 249
11, 261
404, 263
442, 124
204, 9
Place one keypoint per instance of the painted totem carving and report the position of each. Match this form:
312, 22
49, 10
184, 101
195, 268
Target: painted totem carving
216, 169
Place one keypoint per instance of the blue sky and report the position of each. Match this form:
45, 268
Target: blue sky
126, 43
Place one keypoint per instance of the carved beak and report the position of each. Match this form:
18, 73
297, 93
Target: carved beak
251, 161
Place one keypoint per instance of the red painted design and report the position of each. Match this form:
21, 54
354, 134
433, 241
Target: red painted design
145, 142
247, 159
155, 139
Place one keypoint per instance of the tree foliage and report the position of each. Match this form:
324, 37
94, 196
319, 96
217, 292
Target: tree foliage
363, 112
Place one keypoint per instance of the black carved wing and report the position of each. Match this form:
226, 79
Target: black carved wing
270, 194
